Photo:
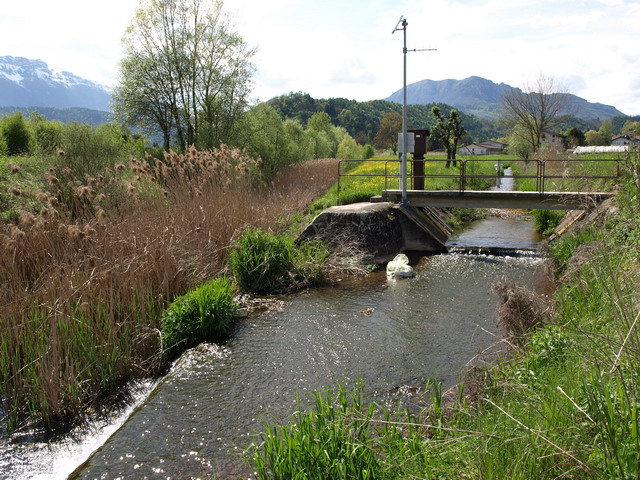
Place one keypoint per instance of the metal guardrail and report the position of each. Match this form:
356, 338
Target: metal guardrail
545, 171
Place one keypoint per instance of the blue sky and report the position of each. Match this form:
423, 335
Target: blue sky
332, 48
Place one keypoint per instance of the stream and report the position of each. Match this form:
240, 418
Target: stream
394, 334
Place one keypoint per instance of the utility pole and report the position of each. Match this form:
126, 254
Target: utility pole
402, 25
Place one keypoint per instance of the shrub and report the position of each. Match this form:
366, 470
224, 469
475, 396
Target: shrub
267, 263
205, 313
263, 262
47, 135
368, 151
15, 133
546, 221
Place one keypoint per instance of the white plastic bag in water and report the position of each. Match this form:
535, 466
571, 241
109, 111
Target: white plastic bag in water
399, 267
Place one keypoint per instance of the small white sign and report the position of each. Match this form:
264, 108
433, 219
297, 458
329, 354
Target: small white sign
411, 142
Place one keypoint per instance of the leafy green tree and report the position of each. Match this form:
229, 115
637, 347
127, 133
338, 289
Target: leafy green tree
47, 135
320, 122
630, 128
326, 134
606, 130
266, 138
185, 72
449, 131
519, 143
387, 134
15, 134
349, 149
575, 137
594, 138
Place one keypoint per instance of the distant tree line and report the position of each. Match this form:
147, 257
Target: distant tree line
363, 120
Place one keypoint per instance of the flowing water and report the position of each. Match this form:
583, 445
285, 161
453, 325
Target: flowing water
393, 334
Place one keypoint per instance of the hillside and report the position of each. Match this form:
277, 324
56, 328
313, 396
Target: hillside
483, 98
28, 83
64, 115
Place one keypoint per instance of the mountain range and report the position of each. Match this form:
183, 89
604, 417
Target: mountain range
31, 83
25, 84
483, 98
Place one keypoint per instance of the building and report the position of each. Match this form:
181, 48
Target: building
625, 140
489, 147
556, 140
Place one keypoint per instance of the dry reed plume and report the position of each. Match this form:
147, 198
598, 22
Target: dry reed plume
84, 282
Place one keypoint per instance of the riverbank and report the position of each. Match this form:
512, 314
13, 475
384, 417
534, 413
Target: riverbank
563, 404
89, 262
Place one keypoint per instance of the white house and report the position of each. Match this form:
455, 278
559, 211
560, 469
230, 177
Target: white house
488, 147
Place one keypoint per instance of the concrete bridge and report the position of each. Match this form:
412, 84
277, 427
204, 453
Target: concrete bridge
582, 173
496, 199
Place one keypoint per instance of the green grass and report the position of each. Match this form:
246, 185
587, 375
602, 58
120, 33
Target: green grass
558, 171
203, 314
545, 221
264, 262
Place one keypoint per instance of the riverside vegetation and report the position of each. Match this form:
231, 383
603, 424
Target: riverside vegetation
99, 243
562, 404
112, 265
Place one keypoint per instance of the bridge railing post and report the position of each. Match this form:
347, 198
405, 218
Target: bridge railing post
463, 176
540, 176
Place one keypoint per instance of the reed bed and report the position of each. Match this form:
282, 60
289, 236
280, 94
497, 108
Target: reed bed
85, 278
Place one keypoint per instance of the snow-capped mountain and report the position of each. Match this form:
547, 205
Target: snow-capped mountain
31, 83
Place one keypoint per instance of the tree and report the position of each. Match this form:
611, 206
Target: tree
534, 109
606, 130
449, 131
349, 149
631, 128
387, 134
575, 137
186, 73
326, 135
594, 138
15, 133
519, 143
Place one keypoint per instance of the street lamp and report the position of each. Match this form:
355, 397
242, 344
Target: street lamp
403, 161
402, 25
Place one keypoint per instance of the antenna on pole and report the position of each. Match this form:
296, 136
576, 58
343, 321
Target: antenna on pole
402, 25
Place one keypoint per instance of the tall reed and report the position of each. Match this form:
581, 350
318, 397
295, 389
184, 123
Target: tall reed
84, 280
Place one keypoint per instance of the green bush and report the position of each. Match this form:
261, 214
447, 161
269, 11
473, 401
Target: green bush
203, 314
267, 263
15, 133
47, 135
262, 262
546, 221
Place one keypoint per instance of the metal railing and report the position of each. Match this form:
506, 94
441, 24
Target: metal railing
464, 175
